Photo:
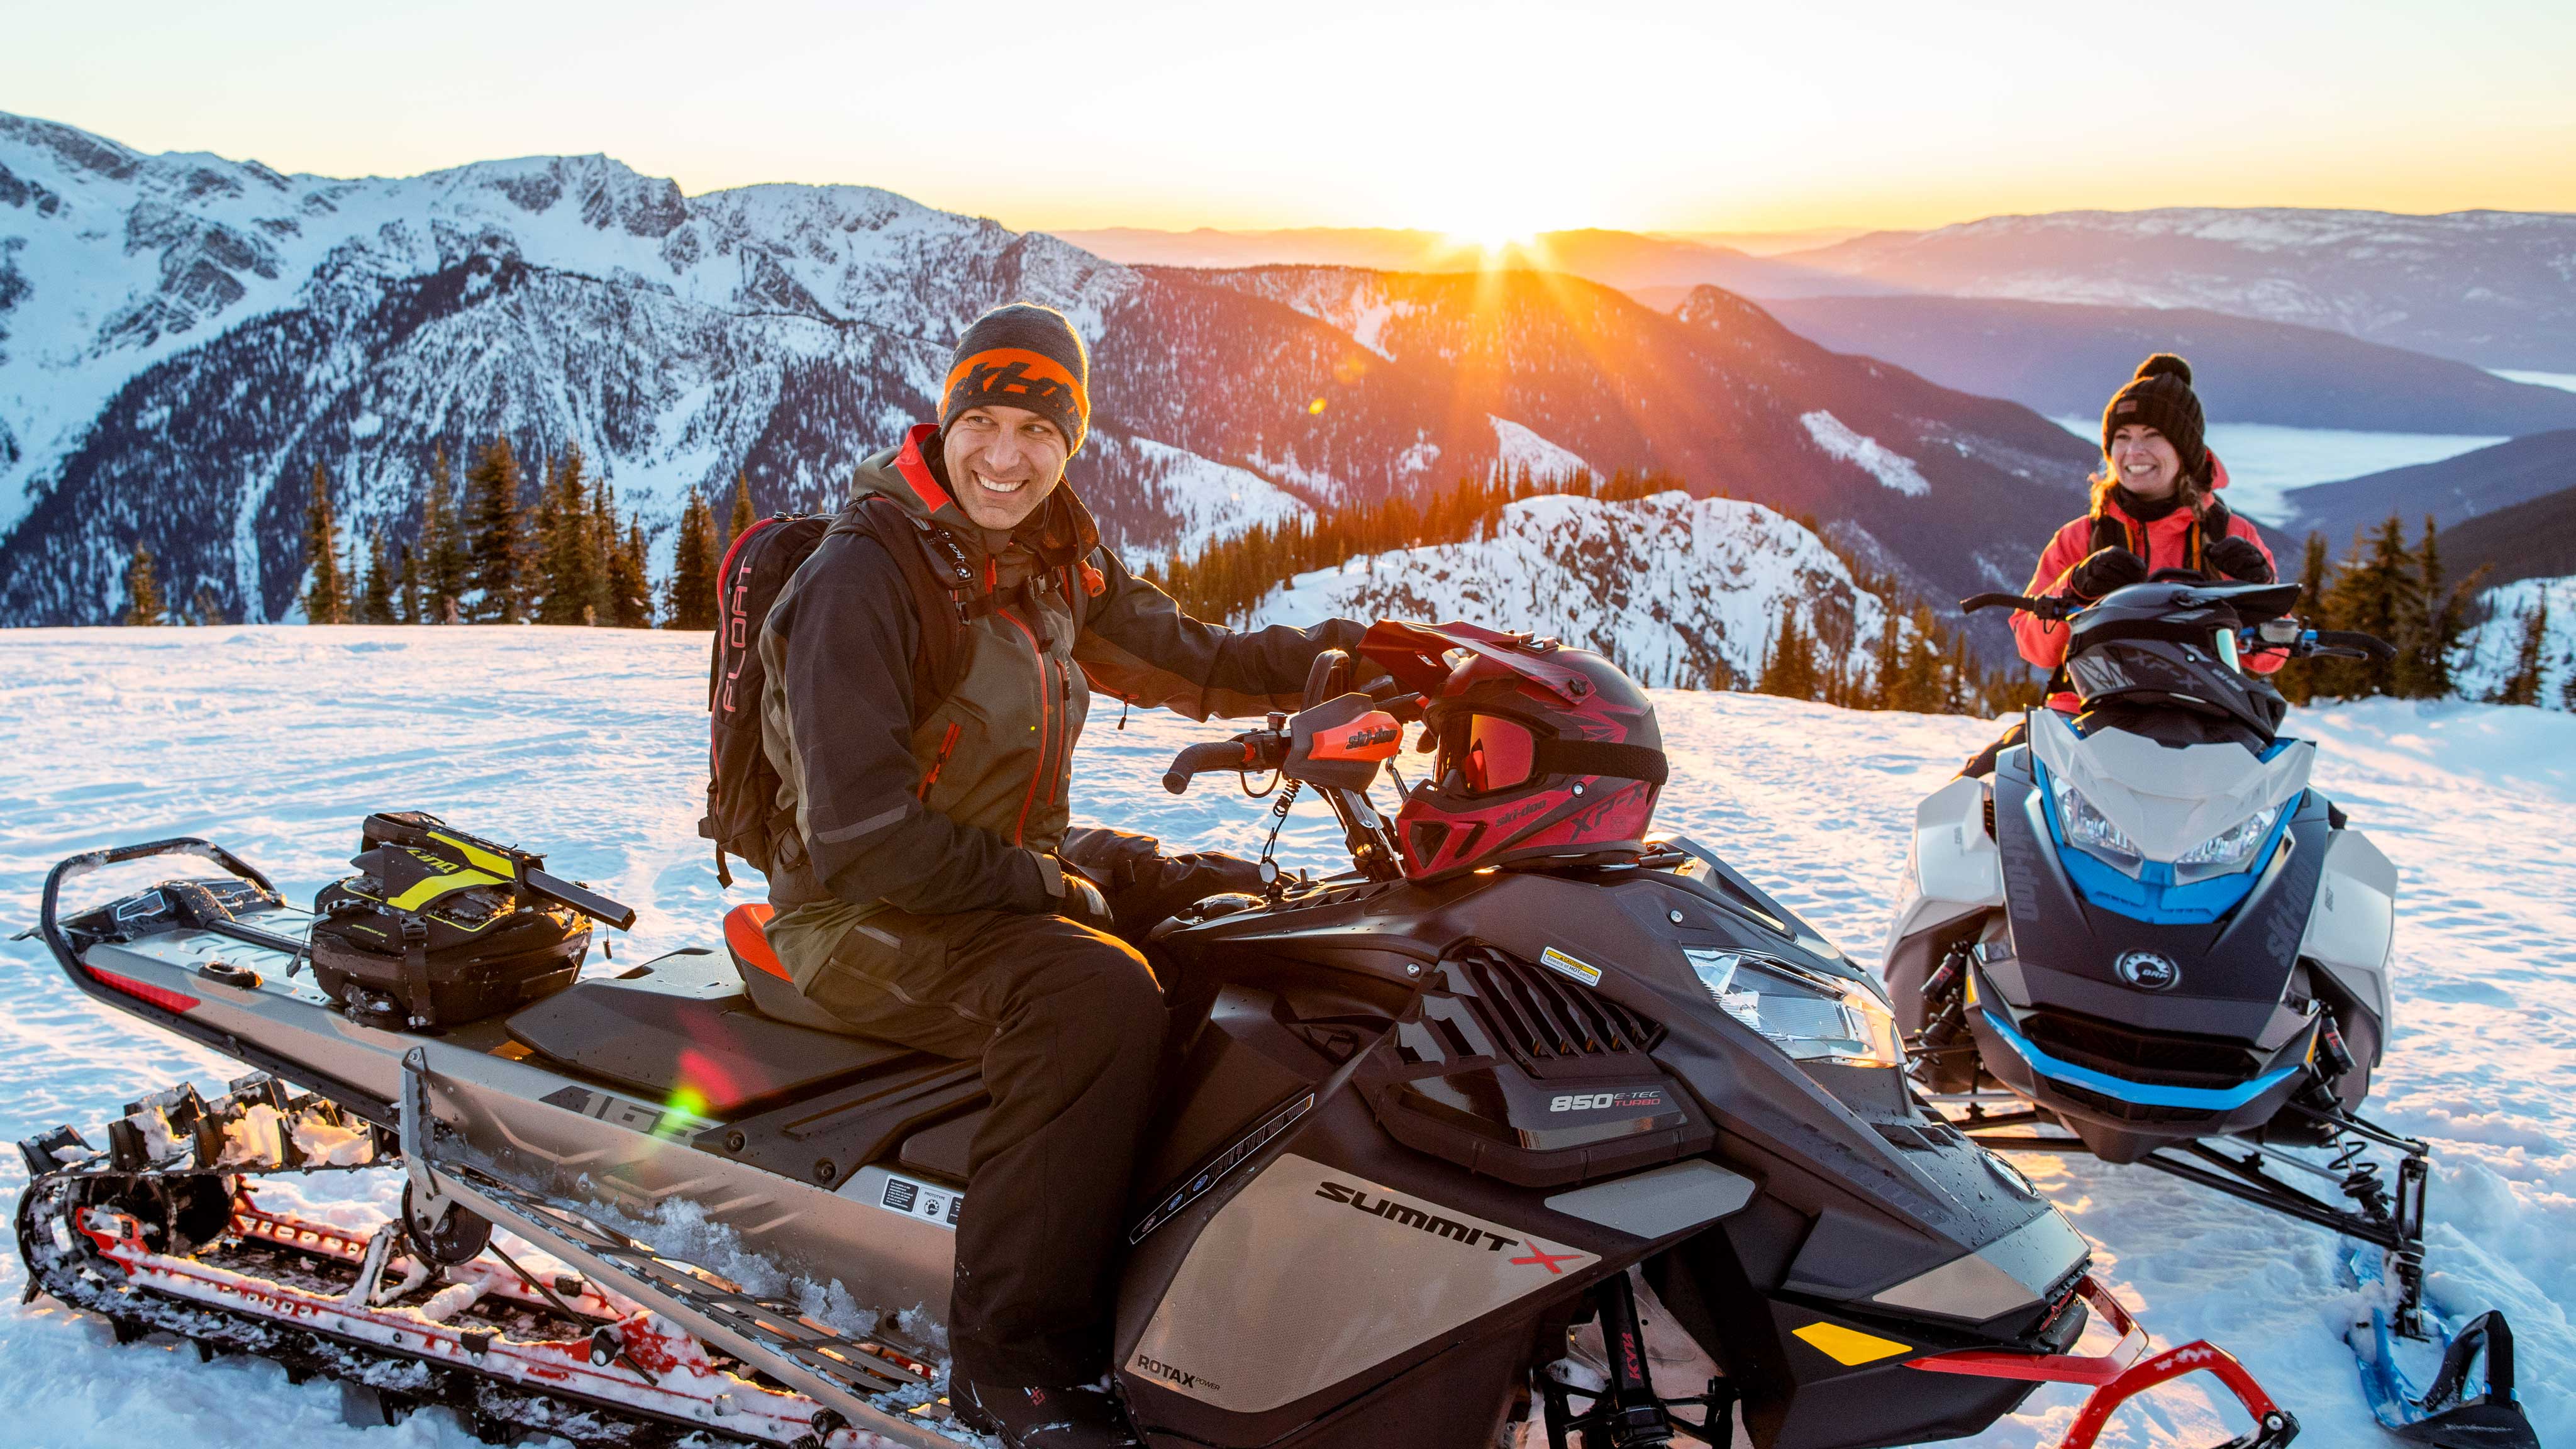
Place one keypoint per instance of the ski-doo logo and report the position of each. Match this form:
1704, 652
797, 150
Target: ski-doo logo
2147, 970
1597, 1101
1414, 1217
1177, 1378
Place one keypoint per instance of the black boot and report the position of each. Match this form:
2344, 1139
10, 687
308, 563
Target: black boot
1044, 1417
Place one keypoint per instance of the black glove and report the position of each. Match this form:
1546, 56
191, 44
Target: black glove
2106, 569
2238, 558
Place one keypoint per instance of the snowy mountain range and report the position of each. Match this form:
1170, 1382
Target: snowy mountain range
2494, 288
183, 338
1678, 591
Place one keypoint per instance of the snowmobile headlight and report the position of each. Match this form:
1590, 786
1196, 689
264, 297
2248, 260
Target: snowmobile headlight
2089, 830
2234, 847
1806, 1014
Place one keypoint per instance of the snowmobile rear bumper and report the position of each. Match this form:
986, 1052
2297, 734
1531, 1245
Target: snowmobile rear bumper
2123, 1373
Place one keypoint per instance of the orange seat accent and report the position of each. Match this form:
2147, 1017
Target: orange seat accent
749, 943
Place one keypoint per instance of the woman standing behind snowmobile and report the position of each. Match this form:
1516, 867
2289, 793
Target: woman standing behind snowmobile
2155, 506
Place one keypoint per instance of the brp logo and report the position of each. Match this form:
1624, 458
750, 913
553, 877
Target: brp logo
2147, 970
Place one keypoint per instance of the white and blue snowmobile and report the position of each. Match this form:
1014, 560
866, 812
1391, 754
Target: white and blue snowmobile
1607, 1139
2148, 936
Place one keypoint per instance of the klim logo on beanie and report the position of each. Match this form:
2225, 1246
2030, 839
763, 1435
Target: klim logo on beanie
1022, 356
1002, 374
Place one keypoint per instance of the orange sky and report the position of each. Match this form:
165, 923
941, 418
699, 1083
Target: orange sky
1475, 118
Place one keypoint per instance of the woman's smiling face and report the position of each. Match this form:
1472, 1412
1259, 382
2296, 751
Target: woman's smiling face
2144, 462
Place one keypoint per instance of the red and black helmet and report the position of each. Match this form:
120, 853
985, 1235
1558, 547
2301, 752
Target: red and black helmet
1542, 750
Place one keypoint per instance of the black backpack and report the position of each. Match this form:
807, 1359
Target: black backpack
742, 816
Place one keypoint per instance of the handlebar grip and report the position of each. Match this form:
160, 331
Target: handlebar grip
1203, 759
590, 903
2368, 646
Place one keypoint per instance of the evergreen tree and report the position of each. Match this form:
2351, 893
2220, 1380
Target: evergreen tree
142, 588
566, 529
606, 542
630, 587
406, 586
2440, 616
2522, 684
326, 598
693, 567
376, 599
444, 566
743, 516
209, 610
2297, 680
2374, 592
1789, 667
1884, 662
496, 549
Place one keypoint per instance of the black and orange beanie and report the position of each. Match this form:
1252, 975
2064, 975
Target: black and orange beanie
1022, 356
2160, 397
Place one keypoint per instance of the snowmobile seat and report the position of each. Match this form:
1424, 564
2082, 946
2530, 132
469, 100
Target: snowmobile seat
764, 979
671, 1033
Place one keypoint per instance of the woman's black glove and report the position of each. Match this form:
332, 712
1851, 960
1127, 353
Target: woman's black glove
2106, 569
2240, 559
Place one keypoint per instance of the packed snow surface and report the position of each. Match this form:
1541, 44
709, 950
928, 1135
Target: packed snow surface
2265, 460
1873, 457
589, 745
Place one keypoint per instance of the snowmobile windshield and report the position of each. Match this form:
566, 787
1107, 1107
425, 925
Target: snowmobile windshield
2173, 674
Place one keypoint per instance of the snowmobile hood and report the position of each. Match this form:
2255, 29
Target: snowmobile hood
914, 475
2168, 799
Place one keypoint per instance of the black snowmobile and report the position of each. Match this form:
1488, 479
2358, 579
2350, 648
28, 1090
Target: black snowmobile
1433, 1132
2165, 946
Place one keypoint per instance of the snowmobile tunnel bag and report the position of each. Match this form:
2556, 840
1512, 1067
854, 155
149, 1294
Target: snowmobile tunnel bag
440, 927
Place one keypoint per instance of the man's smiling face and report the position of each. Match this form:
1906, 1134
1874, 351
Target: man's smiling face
1002, 463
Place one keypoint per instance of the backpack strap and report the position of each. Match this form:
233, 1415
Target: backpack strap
944, 596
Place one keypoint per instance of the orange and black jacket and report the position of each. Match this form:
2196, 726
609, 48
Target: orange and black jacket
2173, 541
962, 808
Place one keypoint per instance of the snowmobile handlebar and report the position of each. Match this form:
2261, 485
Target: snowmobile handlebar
2046, 606
1251, 750
2344, 644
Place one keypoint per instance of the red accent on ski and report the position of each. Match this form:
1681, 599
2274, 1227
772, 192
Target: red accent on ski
2122, 1374
145, 991
1541, 1257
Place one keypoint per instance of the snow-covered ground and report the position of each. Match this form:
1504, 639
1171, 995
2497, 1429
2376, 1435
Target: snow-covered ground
588, 744
2265, 461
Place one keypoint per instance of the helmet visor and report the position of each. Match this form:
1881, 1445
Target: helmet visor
1489, 752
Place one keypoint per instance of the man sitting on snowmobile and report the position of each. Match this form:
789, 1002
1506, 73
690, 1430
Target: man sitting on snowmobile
2155, 506
927, 888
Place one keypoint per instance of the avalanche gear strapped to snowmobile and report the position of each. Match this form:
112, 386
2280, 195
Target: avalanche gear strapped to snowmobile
1418, 1130
441, 926
2158, 938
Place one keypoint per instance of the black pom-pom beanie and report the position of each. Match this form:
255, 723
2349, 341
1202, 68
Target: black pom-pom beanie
2160, 397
